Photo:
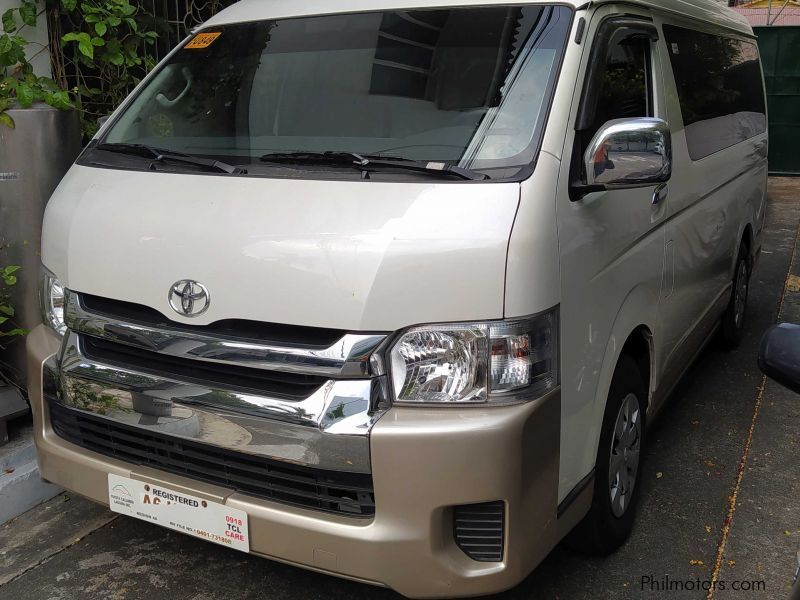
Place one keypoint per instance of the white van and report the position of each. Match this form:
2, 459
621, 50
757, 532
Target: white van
391, 291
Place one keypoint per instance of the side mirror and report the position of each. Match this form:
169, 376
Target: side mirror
779, 356
627, 153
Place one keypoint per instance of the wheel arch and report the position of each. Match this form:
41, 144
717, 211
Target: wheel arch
633, 335
746, 237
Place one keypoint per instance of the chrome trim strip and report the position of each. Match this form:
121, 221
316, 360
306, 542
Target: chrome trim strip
349, 357
327, 430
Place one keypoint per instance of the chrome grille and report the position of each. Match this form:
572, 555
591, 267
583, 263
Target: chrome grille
279, 412
291, 386
231, 342
231, 329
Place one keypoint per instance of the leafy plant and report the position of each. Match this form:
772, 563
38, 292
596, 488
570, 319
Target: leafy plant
105, 48
7, 312
18, 83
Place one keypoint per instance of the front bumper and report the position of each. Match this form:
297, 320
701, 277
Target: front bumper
424, 461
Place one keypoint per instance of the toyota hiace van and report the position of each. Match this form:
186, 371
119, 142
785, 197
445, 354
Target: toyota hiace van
391, 290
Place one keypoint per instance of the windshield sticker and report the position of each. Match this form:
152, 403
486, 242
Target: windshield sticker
203, 40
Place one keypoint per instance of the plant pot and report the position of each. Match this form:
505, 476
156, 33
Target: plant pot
33, 158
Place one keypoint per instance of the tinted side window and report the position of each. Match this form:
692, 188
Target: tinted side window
720, 89
624, 87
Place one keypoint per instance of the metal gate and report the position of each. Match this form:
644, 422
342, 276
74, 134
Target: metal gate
173, 20
181, 16
780, 53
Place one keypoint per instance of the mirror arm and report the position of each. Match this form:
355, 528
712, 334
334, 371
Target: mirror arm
579, 190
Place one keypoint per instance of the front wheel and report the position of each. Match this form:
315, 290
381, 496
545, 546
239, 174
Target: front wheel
732, 326
610, 520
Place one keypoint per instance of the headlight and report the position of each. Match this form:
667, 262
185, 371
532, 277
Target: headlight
498, 362
51, 301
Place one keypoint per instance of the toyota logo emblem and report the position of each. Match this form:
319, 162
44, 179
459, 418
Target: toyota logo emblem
189, 298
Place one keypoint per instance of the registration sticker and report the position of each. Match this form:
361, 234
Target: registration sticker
194, 516
203, 40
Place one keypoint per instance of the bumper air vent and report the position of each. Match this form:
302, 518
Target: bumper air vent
479, 530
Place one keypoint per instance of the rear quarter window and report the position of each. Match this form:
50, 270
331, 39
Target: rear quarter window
720, 88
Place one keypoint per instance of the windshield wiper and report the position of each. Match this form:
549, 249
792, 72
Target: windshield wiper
162, 154
370, 162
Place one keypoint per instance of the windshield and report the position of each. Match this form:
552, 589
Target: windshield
467, 87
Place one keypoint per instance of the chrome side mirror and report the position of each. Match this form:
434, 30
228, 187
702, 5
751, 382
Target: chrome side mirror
629, 153
779, 356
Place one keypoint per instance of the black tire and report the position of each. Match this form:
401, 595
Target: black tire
601, 531
733, 321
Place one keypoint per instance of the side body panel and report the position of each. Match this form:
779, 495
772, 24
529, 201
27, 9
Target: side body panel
611, 248
711, 203
626, 264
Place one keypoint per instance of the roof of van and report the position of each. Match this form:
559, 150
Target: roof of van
710, 11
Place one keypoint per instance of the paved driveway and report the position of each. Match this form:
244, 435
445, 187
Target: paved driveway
720, 499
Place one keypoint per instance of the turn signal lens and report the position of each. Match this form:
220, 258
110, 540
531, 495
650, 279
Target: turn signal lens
525, 355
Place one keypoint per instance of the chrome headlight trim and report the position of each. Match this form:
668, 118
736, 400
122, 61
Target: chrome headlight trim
475, 364
51, 301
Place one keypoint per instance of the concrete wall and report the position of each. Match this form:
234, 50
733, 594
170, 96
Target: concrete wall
38, 35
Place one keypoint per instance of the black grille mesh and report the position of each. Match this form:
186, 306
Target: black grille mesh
479, 530
330, 491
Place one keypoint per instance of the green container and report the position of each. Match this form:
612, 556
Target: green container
780, 53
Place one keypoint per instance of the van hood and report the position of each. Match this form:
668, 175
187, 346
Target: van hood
353, 255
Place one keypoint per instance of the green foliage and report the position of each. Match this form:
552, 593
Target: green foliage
110, 34
7, 312
107, 46
18, 83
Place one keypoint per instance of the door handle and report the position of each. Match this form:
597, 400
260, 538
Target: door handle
661, 193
